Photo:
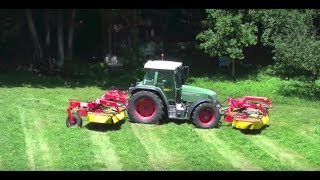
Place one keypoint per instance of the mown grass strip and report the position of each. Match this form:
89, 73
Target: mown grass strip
104, 151
238, 141
159, 157
234, 156
73, 145
12, 142
76, 148
50, 138
298, 133
180, 137
305, 147
133, 155
39, 125
29, 141
47, 159
284, 155
34, 125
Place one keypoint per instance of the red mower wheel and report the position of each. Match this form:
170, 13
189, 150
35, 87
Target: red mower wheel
77, 121
145, 107
206, 116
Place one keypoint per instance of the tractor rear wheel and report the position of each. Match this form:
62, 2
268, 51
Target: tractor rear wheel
145, 107
206, 115
77, 121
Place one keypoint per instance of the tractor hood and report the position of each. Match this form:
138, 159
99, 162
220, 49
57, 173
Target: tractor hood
192, 94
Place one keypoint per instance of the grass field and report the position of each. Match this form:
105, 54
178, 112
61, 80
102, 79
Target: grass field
34, 136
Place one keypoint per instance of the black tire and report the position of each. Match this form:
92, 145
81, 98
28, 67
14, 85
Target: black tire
77, 121
206, 116
150, 113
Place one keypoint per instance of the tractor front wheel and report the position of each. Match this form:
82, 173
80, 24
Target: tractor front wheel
145, 107
206, 116
77, 121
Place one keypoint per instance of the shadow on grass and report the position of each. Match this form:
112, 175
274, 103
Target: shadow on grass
253, 131
309, 91
175, 121
183, 121
121, 79
104, 127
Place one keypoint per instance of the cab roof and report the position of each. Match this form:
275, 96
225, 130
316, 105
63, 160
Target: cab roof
159, 64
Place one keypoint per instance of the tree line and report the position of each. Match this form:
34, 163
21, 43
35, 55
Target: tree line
48, 40
293, 36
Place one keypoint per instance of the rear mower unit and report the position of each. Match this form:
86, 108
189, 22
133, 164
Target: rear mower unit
109, 109
248, 112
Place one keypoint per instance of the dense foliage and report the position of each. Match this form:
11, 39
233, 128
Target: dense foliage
227, 33
72, 41
292, 34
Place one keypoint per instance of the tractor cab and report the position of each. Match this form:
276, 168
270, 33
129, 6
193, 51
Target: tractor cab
169, 76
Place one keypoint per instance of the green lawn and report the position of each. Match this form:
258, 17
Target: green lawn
34, 136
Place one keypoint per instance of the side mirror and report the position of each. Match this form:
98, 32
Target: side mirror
185, 74
186, 70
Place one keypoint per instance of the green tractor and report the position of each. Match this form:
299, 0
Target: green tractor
163, 94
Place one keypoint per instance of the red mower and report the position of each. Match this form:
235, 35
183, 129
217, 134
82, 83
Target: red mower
109, 109
248, 112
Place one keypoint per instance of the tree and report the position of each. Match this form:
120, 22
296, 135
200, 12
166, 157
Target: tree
106, 31
279, 23
227, 33
298, 55
38, 48
70, 34
292, 35
12, 37
60, 36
